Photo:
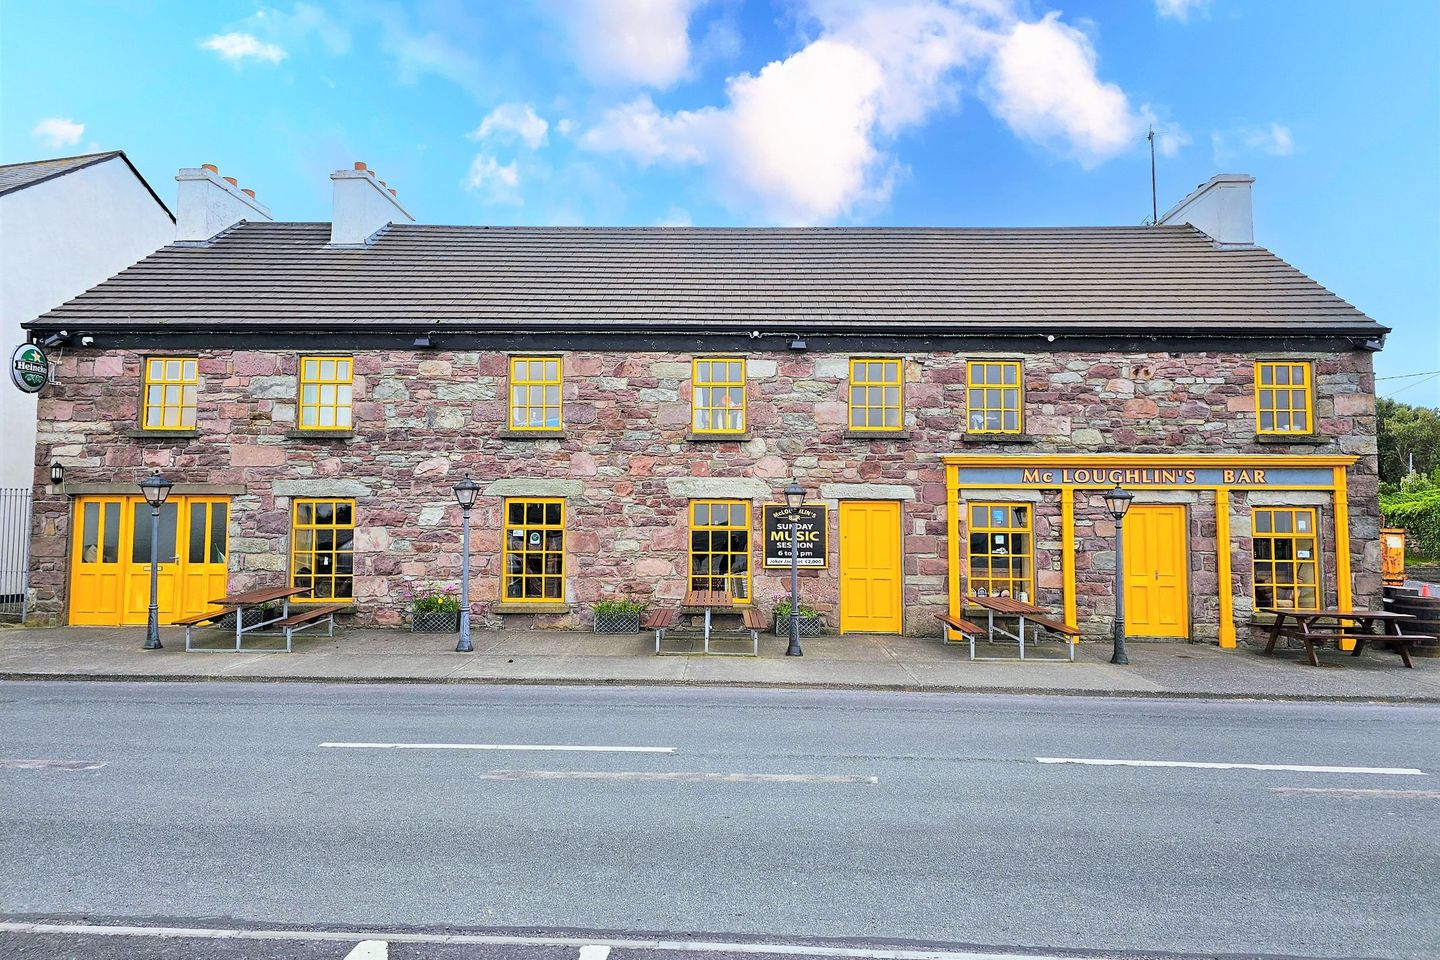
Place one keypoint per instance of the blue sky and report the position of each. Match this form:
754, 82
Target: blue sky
718, 112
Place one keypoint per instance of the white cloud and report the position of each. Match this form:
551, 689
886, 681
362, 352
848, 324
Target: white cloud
56, 132
239, 47
639, 129
296, 27
564, 126
1270, 138
1042, 83
513, 121
642, 42
1180, 9
492, 182
675, 217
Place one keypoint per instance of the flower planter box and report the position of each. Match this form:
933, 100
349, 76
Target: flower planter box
618, 622
810, 626
435, 622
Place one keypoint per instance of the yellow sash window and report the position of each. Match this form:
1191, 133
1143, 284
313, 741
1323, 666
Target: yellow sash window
717, 396
1001, 551
534, 551
877, 393
326, 386
322, 548
171, 385
1283, 401
535, 393
1286, 558
995, 396
720, 547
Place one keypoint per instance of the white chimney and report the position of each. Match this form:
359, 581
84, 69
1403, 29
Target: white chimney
363, 206
209, 204
1219, 207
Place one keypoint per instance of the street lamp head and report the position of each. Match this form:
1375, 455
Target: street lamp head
1117, 501
794, 494
155, 488
467, 491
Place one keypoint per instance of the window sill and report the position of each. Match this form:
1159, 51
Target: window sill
530, 608
319, 434
139, 434
694, 437
972, 436
1310, 439
531, 434
877, 434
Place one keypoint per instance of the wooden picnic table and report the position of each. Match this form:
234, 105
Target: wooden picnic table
707, 601
1359, 629
258, 597
1009, 606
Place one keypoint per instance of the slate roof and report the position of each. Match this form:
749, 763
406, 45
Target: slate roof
18, 176
281, 277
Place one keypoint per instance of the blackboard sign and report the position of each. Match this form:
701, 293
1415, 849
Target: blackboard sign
812, 524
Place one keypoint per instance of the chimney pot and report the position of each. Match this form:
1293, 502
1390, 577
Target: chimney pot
210, 166
359, 164
232, 181
393, 193
247, 192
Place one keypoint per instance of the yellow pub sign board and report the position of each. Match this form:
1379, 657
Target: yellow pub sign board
1180, 475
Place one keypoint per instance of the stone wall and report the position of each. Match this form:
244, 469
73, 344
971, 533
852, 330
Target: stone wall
424, 419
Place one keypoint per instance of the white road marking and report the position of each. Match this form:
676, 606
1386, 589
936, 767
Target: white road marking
1290, 767
52, 764
680, 777
677, 946
593, 951
369, 950
498, 746
1357, 792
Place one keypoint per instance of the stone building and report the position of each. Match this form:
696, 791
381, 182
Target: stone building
630, 399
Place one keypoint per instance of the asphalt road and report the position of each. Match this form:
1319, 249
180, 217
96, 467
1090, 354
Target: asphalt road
868, 818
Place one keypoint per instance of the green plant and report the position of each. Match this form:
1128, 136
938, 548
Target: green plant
1416, 507
432, 598
621, 605
782, 609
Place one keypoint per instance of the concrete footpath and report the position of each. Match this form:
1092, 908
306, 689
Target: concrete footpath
852, 662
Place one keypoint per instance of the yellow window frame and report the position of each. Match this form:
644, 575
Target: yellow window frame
878, 384
327, 385
712, 543
1285, 557
994, 396
1280, 399
536, 384
171, 385
529, 529
308, 529
1008, 532
724, 377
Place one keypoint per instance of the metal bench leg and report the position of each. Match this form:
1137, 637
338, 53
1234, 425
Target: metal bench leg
972, 645
187, 638
1022, 638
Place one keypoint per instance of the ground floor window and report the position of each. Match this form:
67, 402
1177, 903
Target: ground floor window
1287, 561
1001, 551
720, 547
322, 548
535, 551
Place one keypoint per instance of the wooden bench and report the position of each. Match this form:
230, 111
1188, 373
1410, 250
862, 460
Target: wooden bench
661, 620
963, 627
754, 621
190, 623
309, 617
1401, 641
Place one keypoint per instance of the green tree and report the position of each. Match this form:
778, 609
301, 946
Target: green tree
1407, 431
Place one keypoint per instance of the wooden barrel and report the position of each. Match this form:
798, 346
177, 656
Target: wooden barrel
1426, 611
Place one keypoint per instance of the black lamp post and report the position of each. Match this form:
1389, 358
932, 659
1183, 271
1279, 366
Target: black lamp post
1117, 501
155, 488
794, 497
466, 492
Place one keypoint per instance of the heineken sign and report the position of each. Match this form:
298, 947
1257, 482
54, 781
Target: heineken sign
29, 367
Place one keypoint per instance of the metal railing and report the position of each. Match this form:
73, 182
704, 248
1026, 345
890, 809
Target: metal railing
14, 552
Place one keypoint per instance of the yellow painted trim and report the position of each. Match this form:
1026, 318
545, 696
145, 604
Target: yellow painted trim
1018, 387
749, 546
1222, 569
558, 383
1067, 557
313, 527
146, 382
1343, 586
506, 552
1147, 460
317, 382
743, 383
1309, 391
952, 522
899, 365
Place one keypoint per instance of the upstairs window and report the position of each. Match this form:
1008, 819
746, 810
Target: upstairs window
535, 393
322, 549
717, 397
1287, 562
1001, 551
1283, 397
326, 384
876, 395
996, 396
171, 384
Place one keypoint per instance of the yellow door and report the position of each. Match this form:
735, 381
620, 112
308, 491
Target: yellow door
203, 564
97, 563
871, 581
137, 576
1157, 600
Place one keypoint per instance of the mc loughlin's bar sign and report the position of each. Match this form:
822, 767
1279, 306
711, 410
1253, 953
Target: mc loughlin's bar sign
1176, 475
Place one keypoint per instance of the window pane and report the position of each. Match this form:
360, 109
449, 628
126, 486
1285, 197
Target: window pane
189, 370
197, 532
172, 369
219, 532
90, 534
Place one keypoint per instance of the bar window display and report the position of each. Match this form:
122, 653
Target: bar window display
322, 549
1001, 551
720, 547
535, 551
1287, 561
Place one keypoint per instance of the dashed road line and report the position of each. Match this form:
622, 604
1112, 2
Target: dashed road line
550, 747
52, 764
1287, 767
1358, 792
370, 950
676, 777
593, 951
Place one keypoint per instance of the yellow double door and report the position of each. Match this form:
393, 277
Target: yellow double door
1157, 565
110, 558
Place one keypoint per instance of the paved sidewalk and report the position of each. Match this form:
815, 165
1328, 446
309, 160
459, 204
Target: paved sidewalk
852, 661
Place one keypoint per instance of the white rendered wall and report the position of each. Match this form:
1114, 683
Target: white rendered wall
57, 240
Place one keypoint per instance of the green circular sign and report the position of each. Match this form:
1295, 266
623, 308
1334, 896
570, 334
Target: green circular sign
29, 367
